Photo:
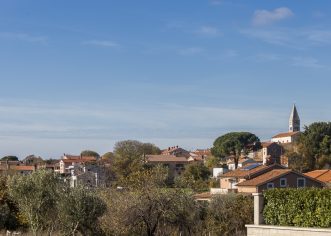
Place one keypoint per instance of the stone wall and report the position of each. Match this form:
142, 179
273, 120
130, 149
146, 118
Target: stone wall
270, 230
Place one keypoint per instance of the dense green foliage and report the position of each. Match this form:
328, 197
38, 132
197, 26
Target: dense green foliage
307, 207
46, 204
108, 156
36, 196
145, 206
79, 211
8, 209
235, 143
228, 214
314, 146
129, 157
89, 153
195, 177
9, 158
212, 162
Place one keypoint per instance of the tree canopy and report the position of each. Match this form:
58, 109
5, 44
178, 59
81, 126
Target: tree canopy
89, 153
235, 143
315, 145
129, 156
9, 158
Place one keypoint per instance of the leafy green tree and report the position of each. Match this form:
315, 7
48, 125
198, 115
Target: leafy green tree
8, 210
79, 209
212, 162
32, 159
297, 162
147, 208
235, 143
130, 156
89, 153
315, 145
36, 197
9, 158
108, 156
228, 214
197, 171
195, 177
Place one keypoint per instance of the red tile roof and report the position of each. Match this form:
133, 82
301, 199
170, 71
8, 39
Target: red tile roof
271, 175
23, 168
288, 134
165, 158
242, 172
80, 160
321, 175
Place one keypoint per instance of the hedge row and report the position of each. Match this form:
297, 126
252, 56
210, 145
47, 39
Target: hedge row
306, 207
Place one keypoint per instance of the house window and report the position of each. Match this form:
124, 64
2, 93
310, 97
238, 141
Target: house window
283, 182
179, 166
301, 182
270, 185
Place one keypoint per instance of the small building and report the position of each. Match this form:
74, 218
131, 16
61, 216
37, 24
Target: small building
229, 180
271, 153
65, 165
289, 137
278, 178
217, 172
175, 164
176, 151
23, 169
241, 162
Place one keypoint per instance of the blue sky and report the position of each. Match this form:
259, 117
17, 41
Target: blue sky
78, 75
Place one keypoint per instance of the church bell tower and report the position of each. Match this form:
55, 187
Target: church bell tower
294, 123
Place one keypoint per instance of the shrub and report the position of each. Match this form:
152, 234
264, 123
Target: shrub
307, 207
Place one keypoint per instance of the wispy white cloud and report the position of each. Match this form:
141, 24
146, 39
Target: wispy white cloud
208, 31
276, 36
294, 38
308, 62
265, 17
23, 37
33, 127
101, 43
319, 36
190, 51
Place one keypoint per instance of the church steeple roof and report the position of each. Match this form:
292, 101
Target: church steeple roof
294, 114
294, 122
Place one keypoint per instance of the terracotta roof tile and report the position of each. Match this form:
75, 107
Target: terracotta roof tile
288, 134
273, 174
23, 168
165, 158
243, 173
321, 175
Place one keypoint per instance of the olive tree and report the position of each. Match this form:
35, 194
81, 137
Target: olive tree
36, 197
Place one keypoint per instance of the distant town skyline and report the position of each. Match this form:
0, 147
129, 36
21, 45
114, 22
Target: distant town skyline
84, 74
